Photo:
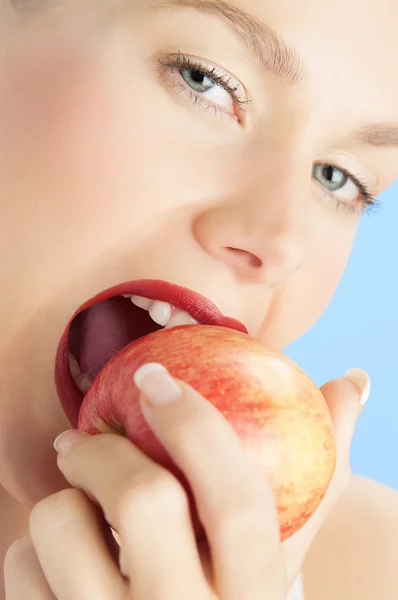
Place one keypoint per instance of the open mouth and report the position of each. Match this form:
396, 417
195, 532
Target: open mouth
104, 325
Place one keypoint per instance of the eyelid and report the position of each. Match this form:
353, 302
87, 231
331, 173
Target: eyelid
362, 184
172, 62
369, 196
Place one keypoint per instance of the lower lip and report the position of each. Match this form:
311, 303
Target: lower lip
198, 307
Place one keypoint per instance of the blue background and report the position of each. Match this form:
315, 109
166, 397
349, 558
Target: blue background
360, 329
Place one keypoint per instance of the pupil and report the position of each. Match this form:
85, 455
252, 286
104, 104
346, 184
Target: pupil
197, 76
328, 173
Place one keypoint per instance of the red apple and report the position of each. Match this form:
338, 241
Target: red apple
279, 414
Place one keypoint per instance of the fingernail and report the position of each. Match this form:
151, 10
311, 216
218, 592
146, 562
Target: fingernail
156, 384
64, 442
361, 378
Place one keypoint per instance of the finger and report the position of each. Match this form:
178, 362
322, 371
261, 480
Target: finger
346, 398
67, 534
23, 575
235, 505
148, 508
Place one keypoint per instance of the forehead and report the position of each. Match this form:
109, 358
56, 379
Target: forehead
349, 48
362, 22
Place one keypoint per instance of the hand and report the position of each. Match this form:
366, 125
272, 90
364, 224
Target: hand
69, 553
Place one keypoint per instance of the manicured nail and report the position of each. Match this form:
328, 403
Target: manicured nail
361, 378
156, 384
64, 442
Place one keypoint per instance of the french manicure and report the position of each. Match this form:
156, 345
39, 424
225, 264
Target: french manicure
362, 379
157, 385
64, 442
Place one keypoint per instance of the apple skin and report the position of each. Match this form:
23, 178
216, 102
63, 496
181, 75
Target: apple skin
279, 414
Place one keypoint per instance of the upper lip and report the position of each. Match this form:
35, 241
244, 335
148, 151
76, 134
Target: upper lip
198, 306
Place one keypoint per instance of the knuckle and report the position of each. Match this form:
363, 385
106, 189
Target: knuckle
151, 492
53, 511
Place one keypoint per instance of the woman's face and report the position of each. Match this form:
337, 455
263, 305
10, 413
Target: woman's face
228, 152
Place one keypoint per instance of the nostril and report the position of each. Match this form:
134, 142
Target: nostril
251, 259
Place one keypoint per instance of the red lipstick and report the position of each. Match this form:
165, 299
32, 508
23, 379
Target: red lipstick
199, 307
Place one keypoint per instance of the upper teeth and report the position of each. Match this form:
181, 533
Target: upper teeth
163, 313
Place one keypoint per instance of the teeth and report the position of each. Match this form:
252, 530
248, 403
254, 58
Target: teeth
180, 317
74, 366
82, 380
160, 312
163, 313
141, 302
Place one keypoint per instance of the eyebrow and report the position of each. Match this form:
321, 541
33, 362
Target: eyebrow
264, 43
381, 135
275, 56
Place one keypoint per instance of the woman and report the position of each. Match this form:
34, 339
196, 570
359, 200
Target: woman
225, 147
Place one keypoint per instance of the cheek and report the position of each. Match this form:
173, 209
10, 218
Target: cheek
58, 119
74, 150
30, 414
96, 156
301, 301
99, 160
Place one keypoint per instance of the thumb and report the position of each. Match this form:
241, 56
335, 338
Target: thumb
346, 398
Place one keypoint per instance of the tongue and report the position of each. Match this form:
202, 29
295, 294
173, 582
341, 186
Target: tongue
99, 332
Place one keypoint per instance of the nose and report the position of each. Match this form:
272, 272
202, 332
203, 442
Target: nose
260, 235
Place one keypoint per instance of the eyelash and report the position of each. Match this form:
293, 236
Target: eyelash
179, 61
369, 199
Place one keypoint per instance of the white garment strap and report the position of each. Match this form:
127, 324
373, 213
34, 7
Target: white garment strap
297, 590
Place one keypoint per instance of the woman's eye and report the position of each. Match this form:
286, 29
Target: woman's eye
345, 189
331, 178
204, 85
197, 80
340, 185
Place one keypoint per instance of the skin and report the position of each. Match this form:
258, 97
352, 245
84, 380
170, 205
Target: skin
110, 173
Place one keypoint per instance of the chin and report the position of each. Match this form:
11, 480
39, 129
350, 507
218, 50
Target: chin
31, 474
45, 393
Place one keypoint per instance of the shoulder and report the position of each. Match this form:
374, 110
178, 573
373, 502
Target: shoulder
355, 555
369, 499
